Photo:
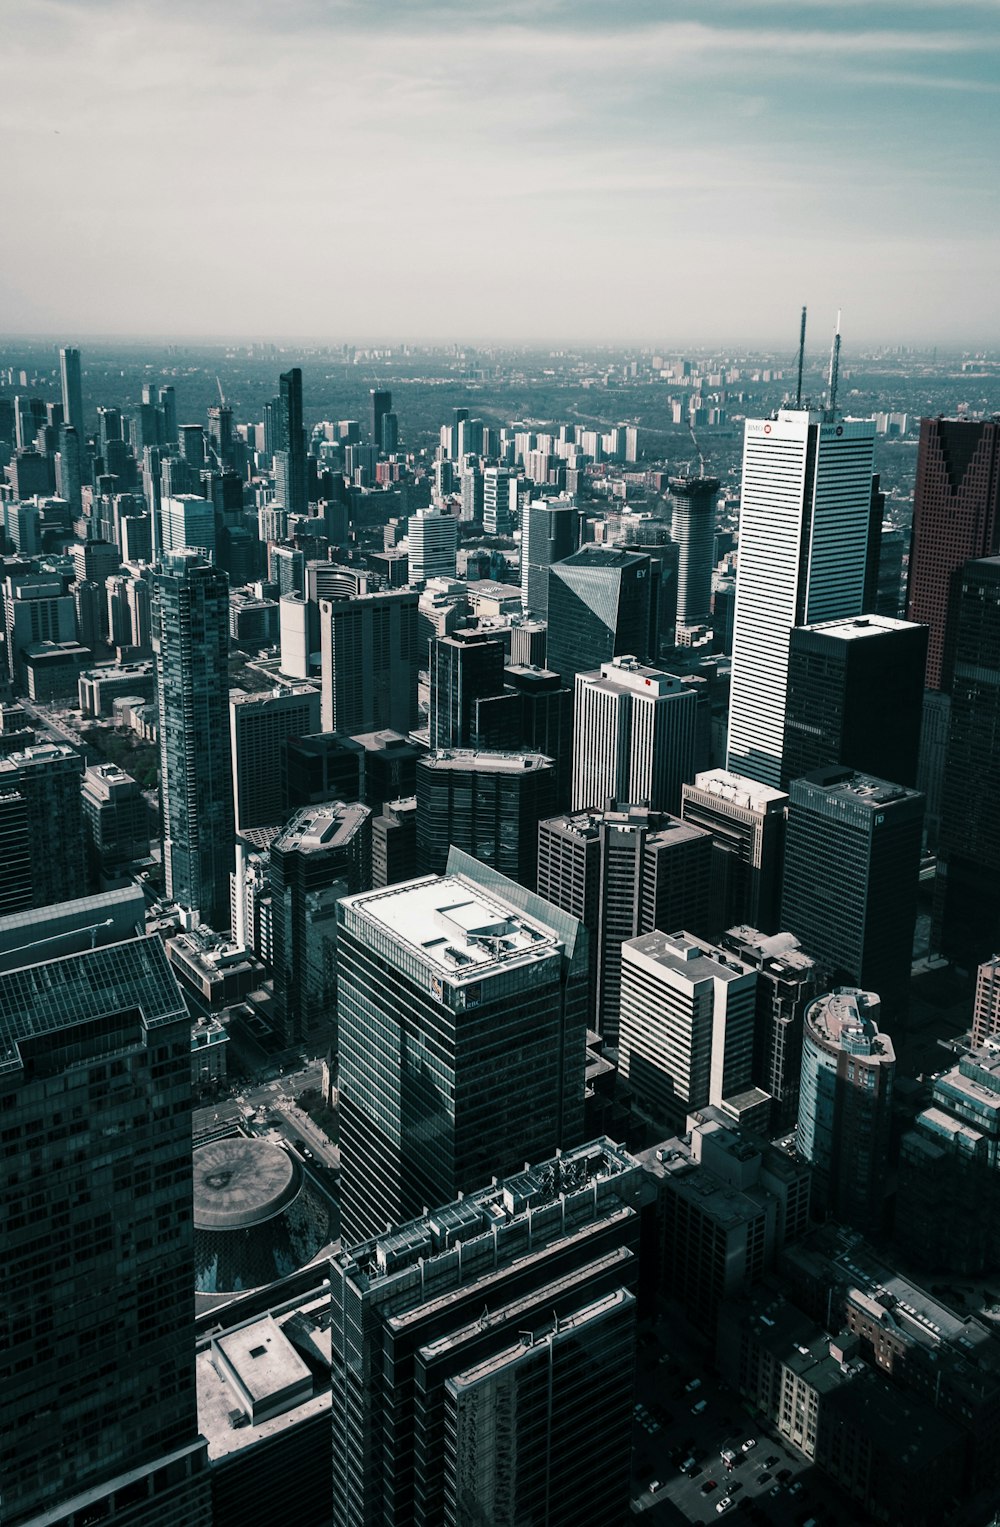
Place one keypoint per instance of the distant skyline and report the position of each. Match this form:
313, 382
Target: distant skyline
552, 172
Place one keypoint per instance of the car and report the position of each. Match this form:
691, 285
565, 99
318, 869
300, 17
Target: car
688, 1464
762, 1479
725, 1504
655, 1485
796, 1488
708, 1487
733, 1487
728, 1457
771, 1460
775, 1491
692, 1386
697, 1408
751, 1442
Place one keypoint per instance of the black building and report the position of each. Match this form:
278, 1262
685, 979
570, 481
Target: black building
487, 804
326, 766
464, 668
598, 608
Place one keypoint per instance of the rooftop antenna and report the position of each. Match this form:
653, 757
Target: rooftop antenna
802, 351
834, 369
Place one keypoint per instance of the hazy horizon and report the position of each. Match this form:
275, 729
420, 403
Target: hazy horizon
548, 173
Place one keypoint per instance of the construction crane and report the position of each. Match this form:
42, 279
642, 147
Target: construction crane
701, 454
222, 395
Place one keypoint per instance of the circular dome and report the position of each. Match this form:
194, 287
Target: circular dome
239, 1183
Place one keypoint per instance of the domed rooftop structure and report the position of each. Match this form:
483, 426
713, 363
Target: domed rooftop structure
257, 1217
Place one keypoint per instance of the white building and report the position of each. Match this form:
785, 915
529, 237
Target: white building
633, 736
432, 542
499, 501
188, 521
804, 518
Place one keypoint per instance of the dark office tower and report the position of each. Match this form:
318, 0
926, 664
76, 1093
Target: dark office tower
390, 766
15, 847
290, 453
550, 532
168, 402
787, 981
192, 444
462, 1011
390, 434
47, 779
442, 1413
464, 668
852, 861
693, 529
855, 697
326, 766
487, 804
324, 852
623, 871
72, 391
381, 404
191, 646
664, 559
370, 660
261, 725
69, 479
116, 822
888, 594
747, 822
845, 1106
967, 891
956, 518
394, 842
598, 609
98, 1412
546, 720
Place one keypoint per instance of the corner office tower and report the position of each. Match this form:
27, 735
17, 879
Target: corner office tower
804, 518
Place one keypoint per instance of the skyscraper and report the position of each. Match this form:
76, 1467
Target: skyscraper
845, 1106
550, 532
443, 1412
191, 647
747, 822
464, 668
381, 404
598, 609
98, 1409
986, 1009
956, 518
432, 537
488, 805
499, 501
72, 391
462, 1014
787, 980
261, 725
634, 736
45, 780
290, 481
804, 523
855, 697
370, 659
693, 529
188, 521
852, 860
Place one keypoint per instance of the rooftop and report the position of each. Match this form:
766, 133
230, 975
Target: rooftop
692, 958
857, 627
240, 1182
316, 829
486, 763
738, 790
843, 783
845, 1018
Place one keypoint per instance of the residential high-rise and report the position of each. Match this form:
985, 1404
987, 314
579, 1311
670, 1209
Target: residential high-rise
40, 788
747, 822
72, 391
369, 662
634, 736
290, 478
852, 861
966, 922
845, 1106
463, 668
462, 1013
188, 521
598, 608
483, 1355
191, 647
381, 404
687, 1023
98, 1412
261, 724
956, 518
787, 981
855, 697
432, 537
323, 853
622, 871
804, 523
487, 804
499, 501
986, 1009
550, 532
693, 529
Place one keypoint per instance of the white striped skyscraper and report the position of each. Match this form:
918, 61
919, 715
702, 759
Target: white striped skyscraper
633, 736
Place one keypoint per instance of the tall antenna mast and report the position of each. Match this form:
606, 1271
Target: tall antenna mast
834, 369
802, 351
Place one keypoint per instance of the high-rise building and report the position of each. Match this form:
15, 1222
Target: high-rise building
956, 518
187, 521
394, 842
483, 1355
986, 1009
381, 404
855, 697
550, 532
168, 403
261, 724
747, 822
966, 922
72, 391
98, 1411
41, 791
290, 478
488, 805
693, 529
852, 862
69, 468
687, 1023
328, 766
622, 871
845, 1106
323, 853
462, 1012
598, 609
432, 537
787, 981
465, 667
804, 523
116, 821
634, 736
369, 662
191, 647
499, 501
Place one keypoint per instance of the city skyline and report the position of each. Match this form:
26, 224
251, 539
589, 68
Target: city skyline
798, 141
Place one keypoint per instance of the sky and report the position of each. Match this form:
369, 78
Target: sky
530, 171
